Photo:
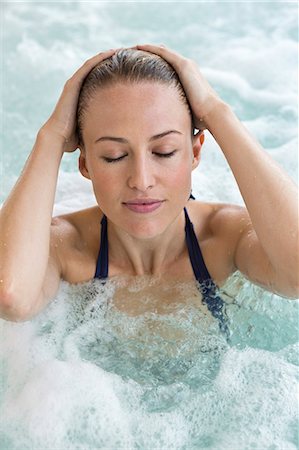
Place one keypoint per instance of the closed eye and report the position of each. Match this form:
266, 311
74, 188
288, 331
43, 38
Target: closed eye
160, 155
165, 155
112, 160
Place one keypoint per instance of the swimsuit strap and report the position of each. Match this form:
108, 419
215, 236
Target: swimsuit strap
102, 262
103, 258
207, 286
198, 265
199, 268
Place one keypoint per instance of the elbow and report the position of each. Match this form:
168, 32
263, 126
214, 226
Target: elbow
287, 277
291, 289
295, 291
294, 283
10, 308
294, 277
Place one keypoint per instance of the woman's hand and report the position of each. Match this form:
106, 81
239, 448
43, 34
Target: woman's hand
201, 96
62, 122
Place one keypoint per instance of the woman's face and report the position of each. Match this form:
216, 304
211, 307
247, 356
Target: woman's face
138, 145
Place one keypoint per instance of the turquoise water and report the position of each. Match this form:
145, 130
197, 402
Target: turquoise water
83, 375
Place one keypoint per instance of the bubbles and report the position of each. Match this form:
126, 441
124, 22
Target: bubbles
84, 374
256, 386
259, 318
79, 394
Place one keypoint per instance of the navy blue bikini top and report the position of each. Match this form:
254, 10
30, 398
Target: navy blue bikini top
207, 286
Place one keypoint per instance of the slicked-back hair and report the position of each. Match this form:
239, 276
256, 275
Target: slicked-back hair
127, 66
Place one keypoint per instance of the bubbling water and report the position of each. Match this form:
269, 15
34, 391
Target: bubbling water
84, 374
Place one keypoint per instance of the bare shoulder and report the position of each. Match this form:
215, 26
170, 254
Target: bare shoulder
74, 225
229, 219
218, 227
66, 260
222, 219
76, 219
73, 238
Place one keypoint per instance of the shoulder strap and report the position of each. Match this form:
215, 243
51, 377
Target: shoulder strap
199, 268
208, 288
102, 262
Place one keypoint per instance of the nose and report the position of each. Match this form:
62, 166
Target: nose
141, 176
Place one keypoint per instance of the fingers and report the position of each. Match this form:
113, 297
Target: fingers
169, 55
81, 73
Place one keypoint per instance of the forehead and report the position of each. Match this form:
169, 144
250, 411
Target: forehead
143, 106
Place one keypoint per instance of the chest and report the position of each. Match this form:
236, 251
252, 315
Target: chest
140, 295
81, 266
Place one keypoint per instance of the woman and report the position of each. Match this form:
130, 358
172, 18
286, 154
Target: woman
137, 146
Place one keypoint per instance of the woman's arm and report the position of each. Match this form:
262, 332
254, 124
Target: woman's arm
267, 246
268, 243
25, 220
27, 240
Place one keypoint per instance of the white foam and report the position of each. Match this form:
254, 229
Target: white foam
78, 361
81, 395
227, 398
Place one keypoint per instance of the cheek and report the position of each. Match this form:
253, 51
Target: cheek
104, 183
105, 178
180, 174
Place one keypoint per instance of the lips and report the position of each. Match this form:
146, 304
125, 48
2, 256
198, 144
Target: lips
143, 205
142, 201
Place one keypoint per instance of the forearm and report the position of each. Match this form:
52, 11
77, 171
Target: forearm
270, 195
25, 221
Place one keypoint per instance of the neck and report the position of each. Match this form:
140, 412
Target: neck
147, 256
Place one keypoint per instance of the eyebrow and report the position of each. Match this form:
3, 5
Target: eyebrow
125, 141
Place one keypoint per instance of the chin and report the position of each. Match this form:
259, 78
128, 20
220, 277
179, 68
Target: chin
145, 226
144, 231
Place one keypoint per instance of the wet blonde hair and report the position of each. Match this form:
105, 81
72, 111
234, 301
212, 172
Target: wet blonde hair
127, 66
